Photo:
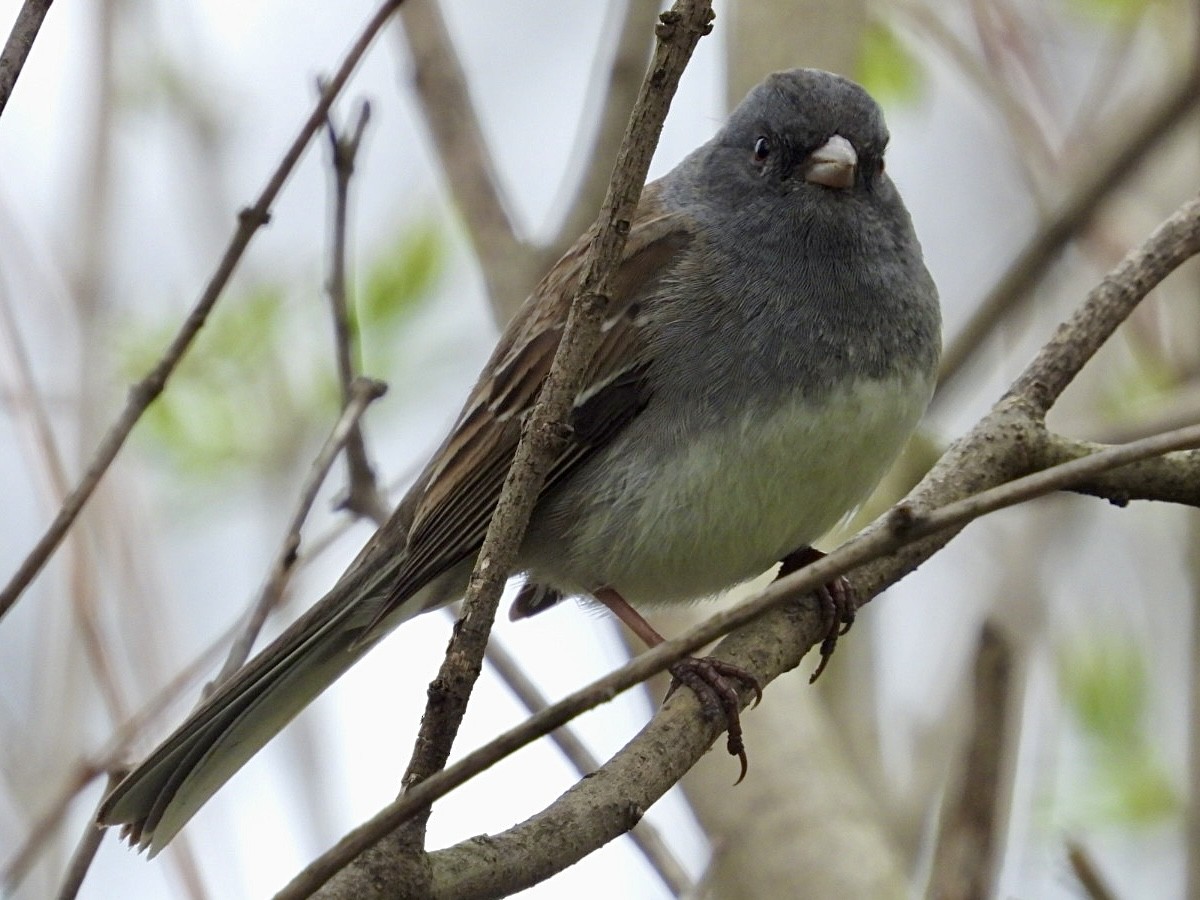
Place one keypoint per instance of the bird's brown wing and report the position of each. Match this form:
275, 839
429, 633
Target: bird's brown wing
453, 499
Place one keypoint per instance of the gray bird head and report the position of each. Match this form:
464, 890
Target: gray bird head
805, 127
802, 148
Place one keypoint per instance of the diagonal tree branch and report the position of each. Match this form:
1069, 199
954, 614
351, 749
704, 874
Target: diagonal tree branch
20, 42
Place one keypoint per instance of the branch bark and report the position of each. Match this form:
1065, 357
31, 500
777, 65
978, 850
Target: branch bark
20, 41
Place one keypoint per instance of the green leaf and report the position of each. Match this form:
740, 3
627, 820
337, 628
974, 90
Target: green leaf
260, 383
1104, 685
1143, 794
400, 279
230, 397
1136, 389
889, 72
1103, 682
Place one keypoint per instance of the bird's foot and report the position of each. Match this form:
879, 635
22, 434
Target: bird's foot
837, 599
712, 681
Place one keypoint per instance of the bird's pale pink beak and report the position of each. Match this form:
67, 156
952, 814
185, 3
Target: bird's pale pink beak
833, 164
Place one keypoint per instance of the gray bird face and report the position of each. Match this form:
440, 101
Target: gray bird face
803, 130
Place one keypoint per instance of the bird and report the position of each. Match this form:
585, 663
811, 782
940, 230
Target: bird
770, 344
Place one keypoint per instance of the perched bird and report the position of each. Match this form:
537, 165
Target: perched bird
770, 345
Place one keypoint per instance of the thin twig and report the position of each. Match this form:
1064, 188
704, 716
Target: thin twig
1101, 180
542, 435
903, 518
680, 31
964, 861
20, 42
1174, 478
85, 852
362, 495
142, 394
1085, 870
363, 392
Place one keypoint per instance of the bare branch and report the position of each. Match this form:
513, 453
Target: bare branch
142, 394
362, 495
1064, 476
363, 392
1168, 479
964, 862
1003, 445
19, 43
1107, 306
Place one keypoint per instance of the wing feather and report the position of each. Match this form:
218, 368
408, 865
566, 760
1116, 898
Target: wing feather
462, 483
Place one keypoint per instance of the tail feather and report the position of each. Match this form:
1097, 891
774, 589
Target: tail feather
164, 791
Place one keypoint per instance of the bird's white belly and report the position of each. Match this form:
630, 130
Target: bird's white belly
738, 500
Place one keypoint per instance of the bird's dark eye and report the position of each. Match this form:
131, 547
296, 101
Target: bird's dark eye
762, 149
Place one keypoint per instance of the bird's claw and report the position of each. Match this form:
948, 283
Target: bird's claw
711, 680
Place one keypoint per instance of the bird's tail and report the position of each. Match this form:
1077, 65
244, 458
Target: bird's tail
154, 801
